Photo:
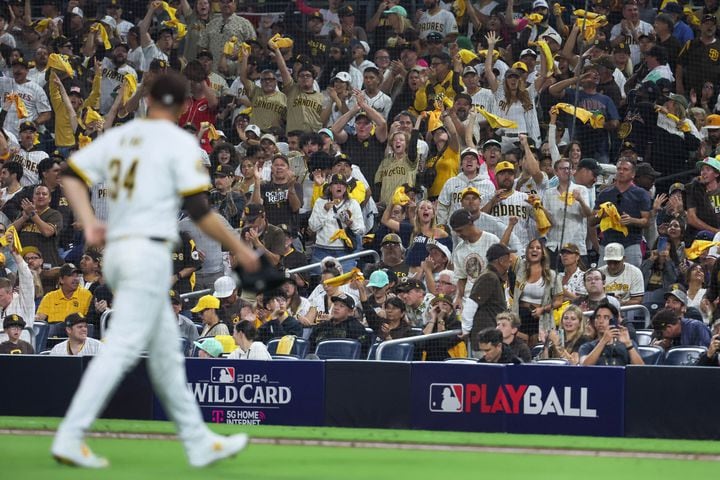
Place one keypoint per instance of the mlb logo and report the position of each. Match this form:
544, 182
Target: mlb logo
222, 374
446, 397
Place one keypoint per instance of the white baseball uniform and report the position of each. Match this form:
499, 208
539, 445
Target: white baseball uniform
147, 166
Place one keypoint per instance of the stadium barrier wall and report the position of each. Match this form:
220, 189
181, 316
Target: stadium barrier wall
662, 402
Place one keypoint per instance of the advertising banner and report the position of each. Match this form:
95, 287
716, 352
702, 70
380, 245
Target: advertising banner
247, 392
518, 398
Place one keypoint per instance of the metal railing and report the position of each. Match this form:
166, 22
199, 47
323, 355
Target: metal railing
417, 339
352, 256
627, 308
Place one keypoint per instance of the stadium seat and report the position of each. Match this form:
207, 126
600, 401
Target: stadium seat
416, 331
552, 361
402, 352
299, 349
643, 337
461, 360
307, 331
684, 356
536, 350
45, 352
57, 329
338, 349
284, 357
41, 330
651, 354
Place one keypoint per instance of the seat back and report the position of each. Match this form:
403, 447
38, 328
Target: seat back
552, 361
643, 337
685, 356
536, 350
41, 330
651, 354
299, 349
402, 352
461, 360
343, 349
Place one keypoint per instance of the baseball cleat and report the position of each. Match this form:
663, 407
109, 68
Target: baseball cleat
217, 448
80, 456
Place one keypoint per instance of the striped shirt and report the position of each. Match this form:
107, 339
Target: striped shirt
575, 221
91, 347
32, 94
449, 198
516, 205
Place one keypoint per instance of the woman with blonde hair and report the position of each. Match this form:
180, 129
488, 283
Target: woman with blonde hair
537, 291
513, 101
566, 341
400, 163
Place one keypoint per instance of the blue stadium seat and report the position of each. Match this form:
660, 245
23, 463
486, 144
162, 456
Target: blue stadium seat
338, 349
461, 360
552, 361
41, 330
651, 354
402, 352
643, 337
536, 350
307, 331
684, 356
299, 349
284, 357
57, 329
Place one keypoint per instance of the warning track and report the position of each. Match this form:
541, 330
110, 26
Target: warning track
405, 446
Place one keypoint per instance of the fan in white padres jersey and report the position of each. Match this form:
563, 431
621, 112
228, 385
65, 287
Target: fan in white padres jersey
150, 166
508, 202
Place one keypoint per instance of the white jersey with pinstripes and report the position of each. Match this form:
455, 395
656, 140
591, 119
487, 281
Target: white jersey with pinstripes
147, 166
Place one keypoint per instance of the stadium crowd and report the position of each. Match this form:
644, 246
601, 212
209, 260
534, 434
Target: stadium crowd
515, 165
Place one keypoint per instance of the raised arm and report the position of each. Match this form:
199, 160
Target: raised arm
144, 25
282, 66
381, 131
60, 88
490, 77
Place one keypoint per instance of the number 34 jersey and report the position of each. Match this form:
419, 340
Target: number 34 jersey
148, 167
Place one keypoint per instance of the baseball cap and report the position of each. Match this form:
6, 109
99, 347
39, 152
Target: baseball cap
30, 249
252, 211
710, 162
346, 11
75, 90
497, 250
342, 158
224, 287
434, 37
627, 145
553, 35
469, 71
109, 21
320, 160
645, 169
175, 297
205, 302
677, 293
327, 132
528, 51
211, 346
570, 247
338, 179
468, 191
514, 72
410, 284
343, 76
224, 171
347, 300
614, 252
460, 218
204, 53
621, 47
708, 18
605, 62
712, 121
540, 4
362, 114
678, 99
433, 244
672, 7
28, 125
254, 129
68, 269
590, 164
20, 61
441, 298
520, 66
269, 137
469, 150
397, 10
316, 16
74, 319
501, 166
676, 186
378, 279
13, 320
391, 238
491, 143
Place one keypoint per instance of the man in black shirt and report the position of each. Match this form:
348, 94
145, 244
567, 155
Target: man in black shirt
342, 324
282, 195
365, 148
493, 349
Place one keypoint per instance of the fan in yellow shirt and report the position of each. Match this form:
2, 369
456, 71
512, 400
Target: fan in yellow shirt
69, 298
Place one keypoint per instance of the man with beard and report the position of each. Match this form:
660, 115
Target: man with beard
469, 176
436, 20
366, 148
392, 257
37, 73
304, 102
508, 202
114, 70
703, 199
36, 101
594, 141
29, 156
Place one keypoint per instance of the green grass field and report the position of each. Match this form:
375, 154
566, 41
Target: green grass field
157, 459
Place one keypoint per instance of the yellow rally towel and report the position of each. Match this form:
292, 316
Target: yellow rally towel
400, 197
495, 121
683, 126
96, 27
17, 246
169, 10
459, 7
458, 351
130, 87
567, 197
548, 56
341, 234
691, 16
60, 62
179, 27
584, 14
280, 42
590, 26
698, 247
467, 56
541, 220
41, 25
285, 345
227, 342
211, 132
534, 18
92, 116
345, 278
83, 141
229, 47
610, 219
36, 138
596, 119
19, 105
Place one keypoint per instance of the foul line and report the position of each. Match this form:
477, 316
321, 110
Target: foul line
405, 446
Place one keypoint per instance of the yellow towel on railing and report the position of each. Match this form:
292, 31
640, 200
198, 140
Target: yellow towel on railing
610, 219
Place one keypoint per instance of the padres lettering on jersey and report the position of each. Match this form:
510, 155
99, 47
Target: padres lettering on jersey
503, 210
